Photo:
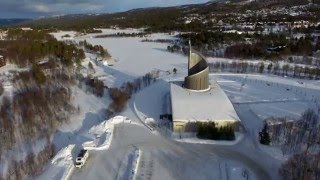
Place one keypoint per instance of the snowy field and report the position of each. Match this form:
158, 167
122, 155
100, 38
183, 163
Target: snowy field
254, 97
266, 96
257, 97
134, 58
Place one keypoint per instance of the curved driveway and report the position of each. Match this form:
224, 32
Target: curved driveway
164, 158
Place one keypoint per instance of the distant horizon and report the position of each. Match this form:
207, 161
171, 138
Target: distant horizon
14, 9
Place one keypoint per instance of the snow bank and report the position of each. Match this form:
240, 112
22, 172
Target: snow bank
61, 166
102, 136
103, 133
142, 117
99, 143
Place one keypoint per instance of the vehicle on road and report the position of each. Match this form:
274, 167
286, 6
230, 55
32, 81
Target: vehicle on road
82, 158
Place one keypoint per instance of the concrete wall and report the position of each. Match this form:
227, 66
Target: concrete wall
199, 81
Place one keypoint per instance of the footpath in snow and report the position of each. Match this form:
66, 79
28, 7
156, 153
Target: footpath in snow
130, 165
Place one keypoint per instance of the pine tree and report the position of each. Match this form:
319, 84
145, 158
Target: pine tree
174, 70
264, 135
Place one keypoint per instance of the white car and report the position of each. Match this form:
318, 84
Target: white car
82, 158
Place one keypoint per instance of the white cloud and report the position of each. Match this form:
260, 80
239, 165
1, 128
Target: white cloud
42, 8
36, 8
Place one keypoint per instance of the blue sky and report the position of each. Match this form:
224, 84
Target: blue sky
38, 8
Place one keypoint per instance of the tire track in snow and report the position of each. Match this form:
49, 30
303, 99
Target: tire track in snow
145, 169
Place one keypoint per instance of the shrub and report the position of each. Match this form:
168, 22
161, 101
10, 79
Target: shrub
210, 131
38, 74
119, 98
97, 86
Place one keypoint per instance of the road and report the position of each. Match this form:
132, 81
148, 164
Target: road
164, 158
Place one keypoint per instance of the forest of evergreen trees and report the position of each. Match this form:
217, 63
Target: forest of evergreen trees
255, 46
24, 48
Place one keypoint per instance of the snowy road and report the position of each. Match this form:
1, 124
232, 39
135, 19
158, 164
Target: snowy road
164, 158
167, 159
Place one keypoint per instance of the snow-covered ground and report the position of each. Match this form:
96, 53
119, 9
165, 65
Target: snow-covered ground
99, 138
134, 58
270, 96
163, 158
254, 97
257, 97
62, 165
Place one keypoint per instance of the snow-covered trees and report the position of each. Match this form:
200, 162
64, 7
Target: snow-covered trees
41, 97
122, 95
285, 70
296, 136
301, 139
119, 100
302, 166
31, 165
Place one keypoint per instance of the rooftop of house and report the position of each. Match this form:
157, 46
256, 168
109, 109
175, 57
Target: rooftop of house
211, 105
